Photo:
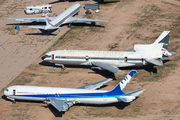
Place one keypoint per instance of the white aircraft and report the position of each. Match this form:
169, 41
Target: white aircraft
65, 17
113, 60
63, 98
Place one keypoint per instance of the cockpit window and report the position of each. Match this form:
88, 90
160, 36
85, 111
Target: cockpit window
47, 56
6, 89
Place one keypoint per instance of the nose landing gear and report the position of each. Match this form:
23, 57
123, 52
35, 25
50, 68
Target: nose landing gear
63, 68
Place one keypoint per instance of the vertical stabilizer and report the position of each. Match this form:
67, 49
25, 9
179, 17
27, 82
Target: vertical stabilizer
120, 88
163, 38
47, 21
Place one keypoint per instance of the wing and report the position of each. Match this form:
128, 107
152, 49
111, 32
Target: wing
60, 105
107, 66
35, 19
155, 62
95, 85
82, 20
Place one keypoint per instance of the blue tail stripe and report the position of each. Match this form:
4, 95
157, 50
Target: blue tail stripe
117, 89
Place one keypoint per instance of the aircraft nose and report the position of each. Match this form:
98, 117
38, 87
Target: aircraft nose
6, 92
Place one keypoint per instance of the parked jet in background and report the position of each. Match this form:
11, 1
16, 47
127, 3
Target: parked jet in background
63, 98
65, 17
112, 60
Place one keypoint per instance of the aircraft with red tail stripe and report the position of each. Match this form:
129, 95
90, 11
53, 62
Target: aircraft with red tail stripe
66, 17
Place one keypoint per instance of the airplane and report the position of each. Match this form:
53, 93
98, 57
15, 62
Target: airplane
112, 60
66, 17
64, 98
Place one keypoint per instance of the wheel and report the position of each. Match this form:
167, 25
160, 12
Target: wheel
69, 25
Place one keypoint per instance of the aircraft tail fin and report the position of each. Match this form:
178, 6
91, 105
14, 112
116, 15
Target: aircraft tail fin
48, 26
161, 44
47, 21
120, 88
163, 38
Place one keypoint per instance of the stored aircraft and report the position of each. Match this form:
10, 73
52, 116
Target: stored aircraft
66, 17
63, 98
112, 60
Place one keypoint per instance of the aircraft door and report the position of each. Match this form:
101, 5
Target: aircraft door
52, 56
87, 58
125, 59
14, 92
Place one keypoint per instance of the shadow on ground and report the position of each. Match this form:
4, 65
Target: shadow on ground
105, 73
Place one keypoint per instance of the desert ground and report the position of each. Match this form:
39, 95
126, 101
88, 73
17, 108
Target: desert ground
129, 22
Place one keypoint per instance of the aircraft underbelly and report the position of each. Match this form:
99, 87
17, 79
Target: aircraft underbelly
29, 98
70, 62
103, 100
117, 63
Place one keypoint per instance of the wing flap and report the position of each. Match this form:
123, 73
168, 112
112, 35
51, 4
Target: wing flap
58, 104
95, 85
155, 62
107, 66
82, 20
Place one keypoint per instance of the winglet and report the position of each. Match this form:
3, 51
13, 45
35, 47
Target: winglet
120, 88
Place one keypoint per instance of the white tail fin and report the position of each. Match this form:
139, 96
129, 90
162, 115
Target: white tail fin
163, 38
158, 45
47, 21
48, 26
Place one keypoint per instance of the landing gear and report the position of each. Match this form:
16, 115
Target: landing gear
69, 25
13, 102
63, 68
93, 23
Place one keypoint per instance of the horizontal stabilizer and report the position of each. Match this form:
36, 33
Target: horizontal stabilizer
132, 96
155, 62
107, 66
126, 99
136, 93
168, 55
95, 85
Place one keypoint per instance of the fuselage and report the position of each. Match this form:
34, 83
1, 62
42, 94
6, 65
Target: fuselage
37, 93
86, 57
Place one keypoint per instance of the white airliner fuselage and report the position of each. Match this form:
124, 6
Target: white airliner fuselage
63, 98
112, 60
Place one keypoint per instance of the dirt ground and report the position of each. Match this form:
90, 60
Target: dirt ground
129, 22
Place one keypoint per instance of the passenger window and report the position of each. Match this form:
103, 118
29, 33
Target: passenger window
30, 8
45, 7
56, 95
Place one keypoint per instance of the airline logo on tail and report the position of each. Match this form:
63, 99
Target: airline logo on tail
126, 80
120, 88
